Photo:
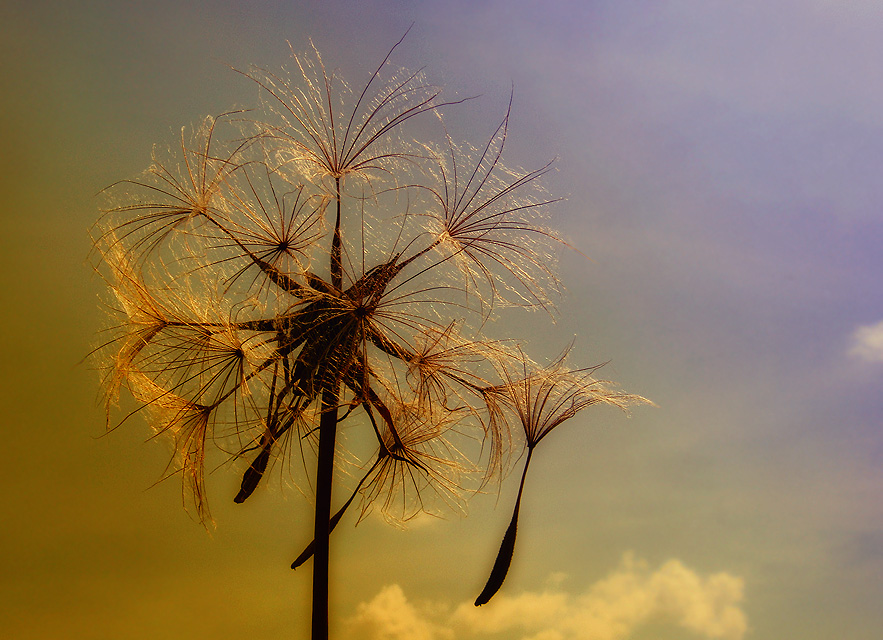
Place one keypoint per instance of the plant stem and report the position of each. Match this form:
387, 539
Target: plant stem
322, 530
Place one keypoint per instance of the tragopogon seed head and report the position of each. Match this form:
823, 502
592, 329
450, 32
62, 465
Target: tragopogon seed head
325, 131
275, 278
542, 399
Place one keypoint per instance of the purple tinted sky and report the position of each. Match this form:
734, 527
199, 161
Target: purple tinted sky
721, 162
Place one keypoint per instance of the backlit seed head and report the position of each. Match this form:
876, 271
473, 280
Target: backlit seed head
314, 269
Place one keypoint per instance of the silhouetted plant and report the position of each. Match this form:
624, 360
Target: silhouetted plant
310, 267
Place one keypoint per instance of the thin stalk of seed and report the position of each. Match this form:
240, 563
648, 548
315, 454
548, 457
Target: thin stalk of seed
308, 551
336, 265
507, 547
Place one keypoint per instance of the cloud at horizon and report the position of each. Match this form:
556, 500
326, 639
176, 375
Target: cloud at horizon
613, 608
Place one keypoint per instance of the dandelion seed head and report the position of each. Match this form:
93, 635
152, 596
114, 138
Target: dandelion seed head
310, 270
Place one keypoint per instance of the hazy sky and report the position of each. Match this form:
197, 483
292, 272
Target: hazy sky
721, 163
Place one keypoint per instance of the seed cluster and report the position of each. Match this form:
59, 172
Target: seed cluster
279, 275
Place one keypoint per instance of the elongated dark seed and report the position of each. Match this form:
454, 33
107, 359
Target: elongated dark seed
253, 475
501, 565
308, 552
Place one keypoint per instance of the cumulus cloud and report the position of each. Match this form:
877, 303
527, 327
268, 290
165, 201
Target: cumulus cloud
613, 608
389, 616
867, 343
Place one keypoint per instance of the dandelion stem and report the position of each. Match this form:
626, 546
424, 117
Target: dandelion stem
322, 531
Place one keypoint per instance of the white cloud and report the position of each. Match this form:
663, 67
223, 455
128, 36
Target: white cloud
611, 609
867, 343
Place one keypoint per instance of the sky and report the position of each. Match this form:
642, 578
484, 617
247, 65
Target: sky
720, 164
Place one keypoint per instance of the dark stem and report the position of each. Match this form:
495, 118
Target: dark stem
322, 530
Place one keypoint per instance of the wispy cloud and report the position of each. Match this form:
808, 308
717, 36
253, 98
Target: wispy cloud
867, 343
613, 608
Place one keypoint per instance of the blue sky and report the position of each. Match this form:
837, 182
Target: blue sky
720, 162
